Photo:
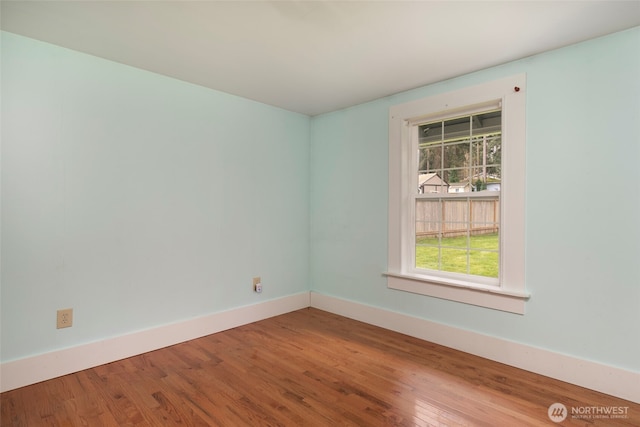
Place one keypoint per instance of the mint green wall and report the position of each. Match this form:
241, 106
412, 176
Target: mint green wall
582, 215
139, 200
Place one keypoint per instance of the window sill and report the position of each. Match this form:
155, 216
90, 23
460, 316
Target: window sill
479, 295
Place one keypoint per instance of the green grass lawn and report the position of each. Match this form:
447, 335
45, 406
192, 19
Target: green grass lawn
454, 254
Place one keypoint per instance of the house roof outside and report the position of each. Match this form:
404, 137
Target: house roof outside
426, 177
459, 184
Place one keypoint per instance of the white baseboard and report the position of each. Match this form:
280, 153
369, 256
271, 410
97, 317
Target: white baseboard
607, 379
30, 370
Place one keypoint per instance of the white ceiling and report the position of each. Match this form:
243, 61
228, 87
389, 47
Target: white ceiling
315, 56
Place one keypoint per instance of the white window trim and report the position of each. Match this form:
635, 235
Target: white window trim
510, 295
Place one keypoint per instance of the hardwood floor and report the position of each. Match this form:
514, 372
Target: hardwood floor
309, 368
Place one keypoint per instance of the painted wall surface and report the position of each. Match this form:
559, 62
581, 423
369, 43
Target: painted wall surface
139, 200
583, 205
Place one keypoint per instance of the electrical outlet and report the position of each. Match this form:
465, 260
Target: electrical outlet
257, 285
65, 318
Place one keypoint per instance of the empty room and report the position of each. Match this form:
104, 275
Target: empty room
286, 213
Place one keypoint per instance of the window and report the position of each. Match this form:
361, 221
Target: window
456, 195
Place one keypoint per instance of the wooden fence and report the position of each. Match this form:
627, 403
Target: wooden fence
455, 217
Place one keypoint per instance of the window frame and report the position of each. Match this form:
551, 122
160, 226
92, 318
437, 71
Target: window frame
509, 294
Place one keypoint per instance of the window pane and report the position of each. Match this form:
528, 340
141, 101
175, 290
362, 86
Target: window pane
430, 133
489, 241
494, 150
482, 263
457, 129
485, 161
431, 183
428, 257
428, 218
454, 260
487, 122
477, 151
430, 159
459, 155
456, 155
455, 214
458, 180
454, 238
478, 179
485, 212
494, 176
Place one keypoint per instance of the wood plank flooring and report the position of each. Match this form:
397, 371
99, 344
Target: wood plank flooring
307, 368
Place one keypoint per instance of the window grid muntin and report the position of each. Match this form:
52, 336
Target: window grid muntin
455, 139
